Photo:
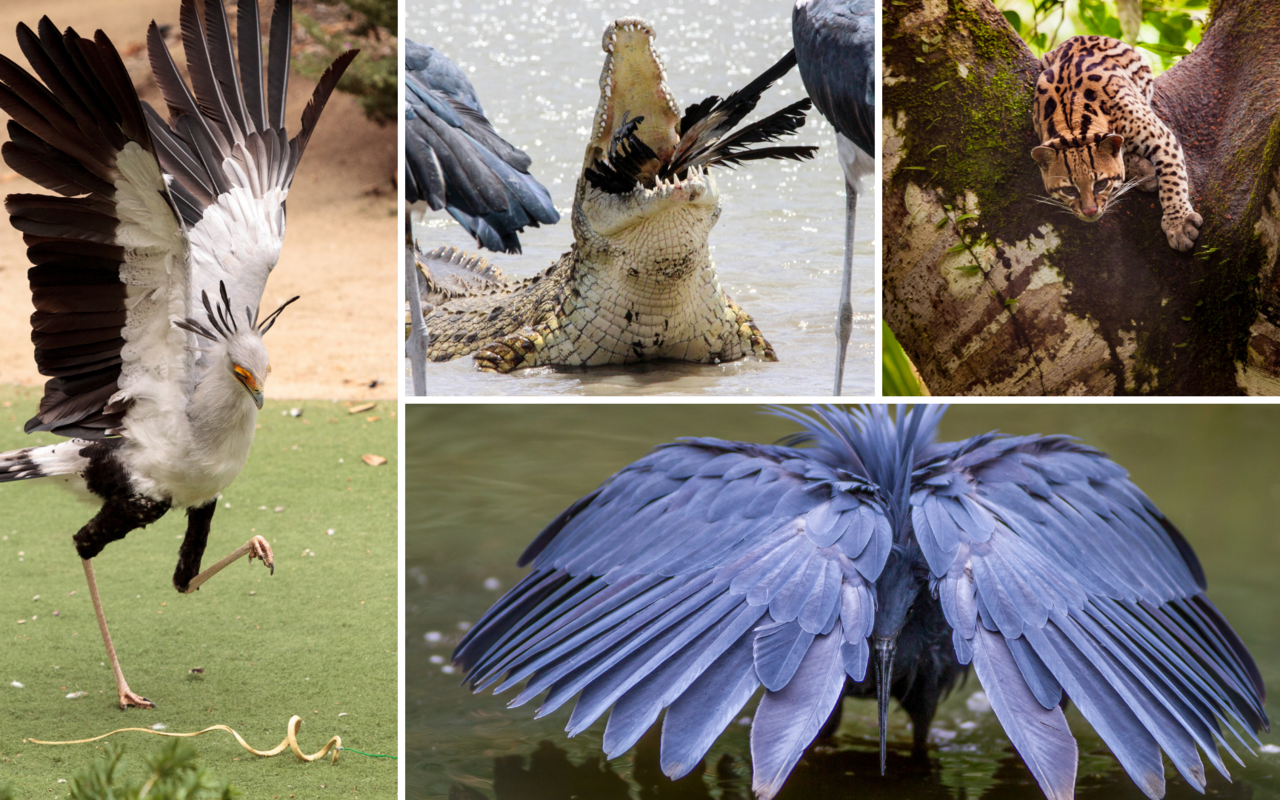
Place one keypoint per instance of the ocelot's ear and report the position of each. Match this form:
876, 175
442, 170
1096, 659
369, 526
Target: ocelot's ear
1112, 144
1044, 156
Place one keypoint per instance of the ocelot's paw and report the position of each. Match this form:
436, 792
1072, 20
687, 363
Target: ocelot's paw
1182, 231
1140, 169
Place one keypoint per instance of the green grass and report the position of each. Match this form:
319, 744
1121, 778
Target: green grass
317, 639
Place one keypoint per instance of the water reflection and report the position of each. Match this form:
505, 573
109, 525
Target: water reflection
850, 769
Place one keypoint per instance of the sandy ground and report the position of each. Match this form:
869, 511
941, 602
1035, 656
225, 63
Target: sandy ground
340, 253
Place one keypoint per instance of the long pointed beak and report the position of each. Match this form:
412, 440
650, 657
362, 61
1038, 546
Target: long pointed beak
257, 398
885, 648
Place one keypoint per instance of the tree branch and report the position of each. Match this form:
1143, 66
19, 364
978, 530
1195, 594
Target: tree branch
1057, 305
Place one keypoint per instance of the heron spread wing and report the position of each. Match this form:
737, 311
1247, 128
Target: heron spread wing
835, 48
686, 581
1059, 576
456, 161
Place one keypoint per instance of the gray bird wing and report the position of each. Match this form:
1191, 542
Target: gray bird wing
456, 161
686, 581
835, 49
1059, 576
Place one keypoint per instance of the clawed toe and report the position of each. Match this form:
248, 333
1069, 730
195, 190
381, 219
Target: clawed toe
259, 549
129, 699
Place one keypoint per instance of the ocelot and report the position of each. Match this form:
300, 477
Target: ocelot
1094, 118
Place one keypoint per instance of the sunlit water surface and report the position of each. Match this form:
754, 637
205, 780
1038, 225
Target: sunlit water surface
483, 480
779, 244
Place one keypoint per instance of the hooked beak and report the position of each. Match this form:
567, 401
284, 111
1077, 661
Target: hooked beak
250, 385
885, 648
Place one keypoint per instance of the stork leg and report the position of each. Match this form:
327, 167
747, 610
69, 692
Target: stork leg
417, 344
844, 317
127, 697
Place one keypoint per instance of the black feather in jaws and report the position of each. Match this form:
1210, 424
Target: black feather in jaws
705, 138
627, 156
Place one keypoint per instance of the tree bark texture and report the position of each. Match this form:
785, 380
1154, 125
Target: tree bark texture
990, 292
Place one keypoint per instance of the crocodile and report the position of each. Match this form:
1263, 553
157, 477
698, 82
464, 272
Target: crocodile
638, 283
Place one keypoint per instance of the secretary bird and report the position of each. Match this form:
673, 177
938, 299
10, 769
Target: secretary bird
149, 268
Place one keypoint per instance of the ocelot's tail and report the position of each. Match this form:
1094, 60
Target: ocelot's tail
62, 458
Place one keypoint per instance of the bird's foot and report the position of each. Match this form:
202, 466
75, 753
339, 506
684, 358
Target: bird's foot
259, 549
128, 698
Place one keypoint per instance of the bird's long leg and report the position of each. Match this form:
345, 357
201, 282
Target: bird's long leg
127, 697
844, 318
256, 547
418, 342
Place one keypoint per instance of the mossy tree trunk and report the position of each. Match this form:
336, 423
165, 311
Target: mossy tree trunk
990, 292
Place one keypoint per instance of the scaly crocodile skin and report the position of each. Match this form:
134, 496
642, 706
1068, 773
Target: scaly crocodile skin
638, 283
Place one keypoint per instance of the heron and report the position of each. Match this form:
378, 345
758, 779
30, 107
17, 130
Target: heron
453, 158
835, 49
149, 267
861, 557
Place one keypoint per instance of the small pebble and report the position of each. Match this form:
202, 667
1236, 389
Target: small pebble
342, 714
448, 669
464, 626
57, 613
17, 685
279, 509
159, 726
37, 597
744, 721
437, 659
492, 584
941, 735
978, 703
968, 725
77, 695
251, 594
1270, 748
331, 531
295, 412
434, 637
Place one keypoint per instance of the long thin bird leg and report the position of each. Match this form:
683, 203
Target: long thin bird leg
127, 697
418, 343
256, 547
844, 320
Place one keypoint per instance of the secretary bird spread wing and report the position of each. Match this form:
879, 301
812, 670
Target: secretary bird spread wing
149, 268
709, 569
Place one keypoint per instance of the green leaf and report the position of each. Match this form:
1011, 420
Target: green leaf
963, 217
939, 86
969, 269
956, 248
897, 377
1164, 49
1014, 20
1186, 319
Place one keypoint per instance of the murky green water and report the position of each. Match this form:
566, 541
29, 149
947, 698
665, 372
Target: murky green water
779, 244
483, 480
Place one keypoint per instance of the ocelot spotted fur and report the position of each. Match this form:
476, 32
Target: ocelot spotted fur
1094, 118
